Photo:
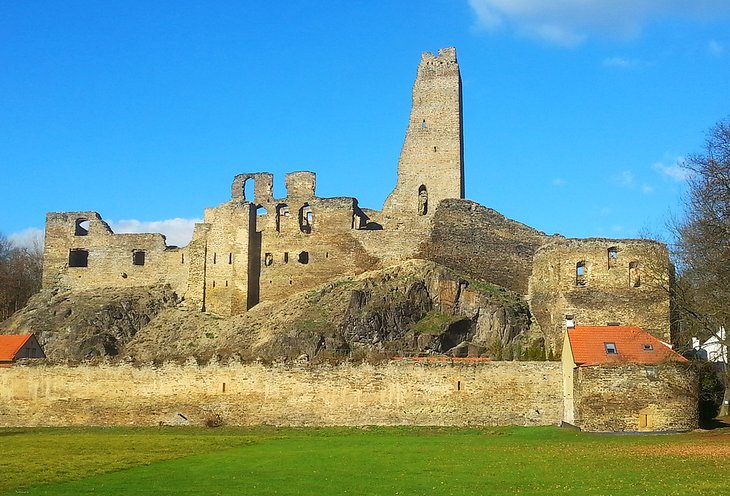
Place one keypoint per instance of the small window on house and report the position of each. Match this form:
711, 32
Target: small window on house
303, 257
634, 275
138, 257
610, 348
82, 227
78, 258
581, 273
647, 347
612, 257
268, 259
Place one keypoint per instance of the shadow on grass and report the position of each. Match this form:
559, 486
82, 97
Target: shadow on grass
715, 423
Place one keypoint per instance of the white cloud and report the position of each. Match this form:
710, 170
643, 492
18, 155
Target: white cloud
31, 237
625, 179
674, 170
570, 22
645, 188
715, 48
620, 63
178, 231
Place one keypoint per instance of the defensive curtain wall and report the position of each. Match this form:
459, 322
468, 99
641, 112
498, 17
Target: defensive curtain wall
249, 250
396, 393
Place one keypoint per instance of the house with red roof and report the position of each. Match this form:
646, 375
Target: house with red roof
621, 378
17, 346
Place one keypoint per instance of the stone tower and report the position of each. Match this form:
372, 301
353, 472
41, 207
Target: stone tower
431, 165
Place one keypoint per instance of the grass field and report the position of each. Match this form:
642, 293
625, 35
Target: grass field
370, 461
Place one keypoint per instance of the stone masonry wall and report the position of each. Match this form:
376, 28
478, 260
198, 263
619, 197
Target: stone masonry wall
622, 281
109, 258
397, 393
614, 398
482, 243
432, 157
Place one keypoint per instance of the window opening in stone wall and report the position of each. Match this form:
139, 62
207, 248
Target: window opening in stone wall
305, 219
215, 257
423, 124
422, 200
581, 273
612, 257
634, 275
326, 254
458, 385
213, 283
268, 260
182, 258
248, 189
643, 421
282, 213
286, 257
303, 257
82, 227
138, 257
78, 258
610, 348
230, 258
434, 148
226, 283
290, 281
261, 210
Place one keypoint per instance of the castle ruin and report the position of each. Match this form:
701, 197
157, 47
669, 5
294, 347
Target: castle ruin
250, 250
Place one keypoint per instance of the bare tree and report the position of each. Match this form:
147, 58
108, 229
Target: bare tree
20, 275
702, 250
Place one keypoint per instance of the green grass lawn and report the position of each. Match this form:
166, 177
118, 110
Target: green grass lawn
371, 461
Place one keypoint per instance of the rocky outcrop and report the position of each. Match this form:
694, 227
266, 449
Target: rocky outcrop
412, 308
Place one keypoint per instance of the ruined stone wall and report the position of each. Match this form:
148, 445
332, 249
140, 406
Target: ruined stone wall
622, 281
81, 252
431, 165
482, 243
634, 397
397, 393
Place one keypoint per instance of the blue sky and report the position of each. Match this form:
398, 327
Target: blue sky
576, 112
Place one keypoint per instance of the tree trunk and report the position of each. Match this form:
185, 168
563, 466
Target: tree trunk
725, 407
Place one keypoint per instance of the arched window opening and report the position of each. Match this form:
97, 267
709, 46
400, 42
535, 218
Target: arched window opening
422, 200
303, 257
634, 275
248, 189
305, 219
78, 258
261, 210
282, 213
581, 273
423, 124
612, 257
82, 227
138, 257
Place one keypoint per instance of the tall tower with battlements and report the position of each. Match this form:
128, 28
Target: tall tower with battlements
431, 165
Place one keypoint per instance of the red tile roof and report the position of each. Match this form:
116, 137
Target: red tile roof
10, 344
588, 344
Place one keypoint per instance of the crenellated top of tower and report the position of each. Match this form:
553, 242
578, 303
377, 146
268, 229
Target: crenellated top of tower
443, 63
